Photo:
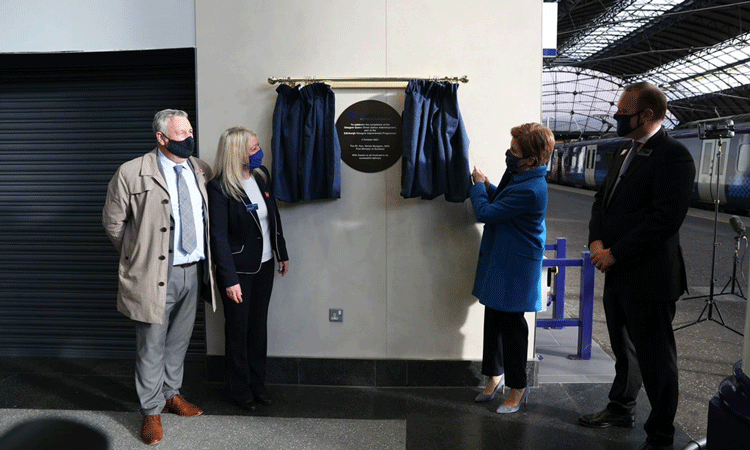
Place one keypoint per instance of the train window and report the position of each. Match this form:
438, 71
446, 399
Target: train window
581, 159
708, 154
743, 158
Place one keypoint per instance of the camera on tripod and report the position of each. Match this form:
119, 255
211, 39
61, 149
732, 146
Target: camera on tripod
720, 129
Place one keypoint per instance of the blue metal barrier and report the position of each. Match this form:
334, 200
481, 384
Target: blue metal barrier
585, 319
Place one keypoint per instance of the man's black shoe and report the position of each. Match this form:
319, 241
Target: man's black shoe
606, 418
264, 399
248, 405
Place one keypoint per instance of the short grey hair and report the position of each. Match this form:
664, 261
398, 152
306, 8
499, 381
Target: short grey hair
162, 117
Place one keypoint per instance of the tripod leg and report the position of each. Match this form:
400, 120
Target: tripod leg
733, 279
698, 320
721, 319
730, 280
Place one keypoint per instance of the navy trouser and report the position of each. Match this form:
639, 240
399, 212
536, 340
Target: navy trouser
245, 331
642, 340
506, 339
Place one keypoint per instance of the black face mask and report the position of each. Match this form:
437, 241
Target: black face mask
623, 123
511, 162
181, 149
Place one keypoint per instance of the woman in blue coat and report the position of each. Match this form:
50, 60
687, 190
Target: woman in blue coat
246, 237
508, 279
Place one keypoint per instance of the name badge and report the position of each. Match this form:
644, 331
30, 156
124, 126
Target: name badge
251, 207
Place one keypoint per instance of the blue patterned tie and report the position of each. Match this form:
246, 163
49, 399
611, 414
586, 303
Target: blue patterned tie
187, 221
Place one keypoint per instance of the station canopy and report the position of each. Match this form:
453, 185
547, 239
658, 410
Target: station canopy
696, 51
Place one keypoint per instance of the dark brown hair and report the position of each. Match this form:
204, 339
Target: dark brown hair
649, 97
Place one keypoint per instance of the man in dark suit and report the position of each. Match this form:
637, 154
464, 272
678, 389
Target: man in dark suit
634, 240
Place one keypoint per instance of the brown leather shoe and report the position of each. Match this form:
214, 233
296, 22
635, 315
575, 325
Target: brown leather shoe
178, 405
151, 431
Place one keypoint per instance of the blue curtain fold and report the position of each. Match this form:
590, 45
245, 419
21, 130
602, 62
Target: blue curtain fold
306, 149
435, 145
285, 144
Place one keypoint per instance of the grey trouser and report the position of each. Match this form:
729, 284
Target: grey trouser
161, 348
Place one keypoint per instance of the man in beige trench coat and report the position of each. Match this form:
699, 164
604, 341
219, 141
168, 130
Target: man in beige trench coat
156, 216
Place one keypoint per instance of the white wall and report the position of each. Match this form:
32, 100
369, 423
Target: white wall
402, 270
42, 26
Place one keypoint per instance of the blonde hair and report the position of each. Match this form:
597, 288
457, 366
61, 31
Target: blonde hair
534, 140
231, 155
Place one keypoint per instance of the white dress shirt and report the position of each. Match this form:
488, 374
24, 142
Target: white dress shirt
256, 196
179, 256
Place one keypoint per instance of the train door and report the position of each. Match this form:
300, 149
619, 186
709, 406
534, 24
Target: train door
590, 173
566, 166
738, 187
577, 165
707, 173
553, 167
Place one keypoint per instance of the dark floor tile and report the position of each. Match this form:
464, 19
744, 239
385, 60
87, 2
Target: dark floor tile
391, 372
444, 373
323, 402
283, 371
48, 365
436, 417
340, 372
45, 391
114, 367
466, 433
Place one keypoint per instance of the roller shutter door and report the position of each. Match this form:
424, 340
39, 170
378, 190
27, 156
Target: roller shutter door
67, 121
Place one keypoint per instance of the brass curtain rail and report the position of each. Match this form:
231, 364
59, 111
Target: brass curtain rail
364, 82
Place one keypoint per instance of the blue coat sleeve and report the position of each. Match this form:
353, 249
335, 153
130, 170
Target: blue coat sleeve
506, 206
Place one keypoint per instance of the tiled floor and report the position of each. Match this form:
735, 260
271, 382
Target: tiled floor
554, 348
101, 393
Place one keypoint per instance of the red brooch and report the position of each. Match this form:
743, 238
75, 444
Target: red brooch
268, 194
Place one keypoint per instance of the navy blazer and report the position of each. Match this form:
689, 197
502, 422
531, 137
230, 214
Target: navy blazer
509, 270
236, 236
639, 221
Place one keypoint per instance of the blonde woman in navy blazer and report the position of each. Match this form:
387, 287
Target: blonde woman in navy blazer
508, 279
246, 236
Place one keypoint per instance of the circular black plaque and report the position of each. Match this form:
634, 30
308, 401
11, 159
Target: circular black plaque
370, 136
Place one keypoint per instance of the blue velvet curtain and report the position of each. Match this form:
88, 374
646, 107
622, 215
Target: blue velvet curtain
435, 144
306, 149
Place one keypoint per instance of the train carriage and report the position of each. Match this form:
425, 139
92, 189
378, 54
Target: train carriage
585, 164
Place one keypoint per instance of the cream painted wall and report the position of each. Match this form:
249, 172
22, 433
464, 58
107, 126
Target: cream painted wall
402, 270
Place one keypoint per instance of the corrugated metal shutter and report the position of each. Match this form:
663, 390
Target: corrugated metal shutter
67, 121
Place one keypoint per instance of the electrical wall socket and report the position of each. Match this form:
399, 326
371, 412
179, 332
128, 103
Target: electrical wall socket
335, 315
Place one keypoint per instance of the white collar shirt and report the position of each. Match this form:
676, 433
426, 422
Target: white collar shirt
196, 200
637, 145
